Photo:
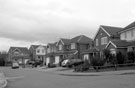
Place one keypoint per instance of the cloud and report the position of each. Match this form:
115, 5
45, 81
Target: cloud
48, 20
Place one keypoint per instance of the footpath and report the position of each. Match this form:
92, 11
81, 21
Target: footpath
3, 81
69, 72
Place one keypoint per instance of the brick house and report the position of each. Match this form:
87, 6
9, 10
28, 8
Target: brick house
19, 54
118, 46
63, 50
128, 34
80, 44
51, 49
104, 35
71, 48
38, 52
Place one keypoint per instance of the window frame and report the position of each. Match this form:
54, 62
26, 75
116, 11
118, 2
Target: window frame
97, 42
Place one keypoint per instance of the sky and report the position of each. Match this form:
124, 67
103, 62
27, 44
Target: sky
26, 22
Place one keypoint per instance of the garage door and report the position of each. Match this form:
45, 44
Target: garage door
86, 57
57, 59
47, 60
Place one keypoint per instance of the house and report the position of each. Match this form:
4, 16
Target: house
118, 46
104, 35
51, 49
80, 44
19, 54
128, 34
38, 52
90, 53
63, 47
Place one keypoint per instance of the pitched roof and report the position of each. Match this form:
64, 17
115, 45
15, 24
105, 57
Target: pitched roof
52, 44
119, 43
111, 30
81, 39
36, 46
24, 50
129, 26
92, 50
66, 41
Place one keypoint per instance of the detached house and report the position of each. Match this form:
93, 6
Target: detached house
70, 48
128, 34
80, 44
51, 49
63, 47
19, 54
38, 52
104, 35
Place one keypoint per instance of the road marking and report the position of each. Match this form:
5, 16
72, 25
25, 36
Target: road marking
8, 78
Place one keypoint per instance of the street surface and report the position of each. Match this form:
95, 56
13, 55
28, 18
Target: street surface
24, 78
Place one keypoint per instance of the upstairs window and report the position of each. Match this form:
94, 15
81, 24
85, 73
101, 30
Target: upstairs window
96, 42
43, 51
60, 47
125, 35
72, 45
103, 40
132, 33
38, 51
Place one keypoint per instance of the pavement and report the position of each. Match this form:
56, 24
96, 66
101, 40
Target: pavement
3, 81
70, 72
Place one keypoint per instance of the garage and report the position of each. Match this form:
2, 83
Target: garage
57, 60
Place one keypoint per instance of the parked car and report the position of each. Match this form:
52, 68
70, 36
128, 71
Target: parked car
15, 65
30, 62
72, 62
65, 62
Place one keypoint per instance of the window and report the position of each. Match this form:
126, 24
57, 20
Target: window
73, 46
38, 51
132, 33
96, 42
103, 40
67, 46
16, 53
60, 47
125, 34
43, 50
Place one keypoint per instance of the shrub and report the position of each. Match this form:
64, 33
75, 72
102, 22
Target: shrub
106, 54
131, 57
97, 61
120, 58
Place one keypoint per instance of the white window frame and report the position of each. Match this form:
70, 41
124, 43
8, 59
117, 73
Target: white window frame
132, 33
104, 40
73, 45
125, 35
96, 42
60, 47
38, 50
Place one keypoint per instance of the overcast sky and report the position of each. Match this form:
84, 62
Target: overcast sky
26, 22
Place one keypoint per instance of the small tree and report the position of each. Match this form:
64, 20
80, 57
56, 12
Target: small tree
106, 54
131, 57
120, 58
113, 59
97, 61
3, 57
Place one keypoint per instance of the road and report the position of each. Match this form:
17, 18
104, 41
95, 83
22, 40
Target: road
24, 78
